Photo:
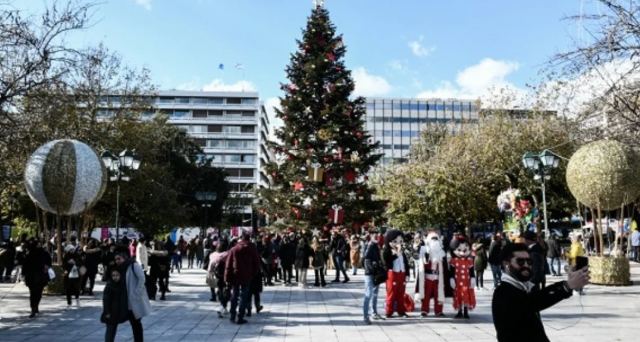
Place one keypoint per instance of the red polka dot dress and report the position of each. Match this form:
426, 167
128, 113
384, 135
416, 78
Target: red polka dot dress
463, 272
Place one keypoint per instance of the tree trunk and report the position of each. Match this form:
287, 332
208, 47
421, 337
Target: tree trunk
58, 240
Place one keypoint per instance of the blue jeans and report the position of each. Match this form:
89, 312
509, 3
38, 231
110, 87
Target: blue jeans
339, 263
553, 261
239, 293
370, 296
497, 274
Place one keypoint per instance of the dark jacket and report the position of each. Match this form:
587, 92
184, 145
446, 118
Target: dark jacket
494, 252
303, 253
553, 248
537, 269
371, 257
114, 303
34, 268
339, 246
287, 254
389, 258
516, 314
242, 264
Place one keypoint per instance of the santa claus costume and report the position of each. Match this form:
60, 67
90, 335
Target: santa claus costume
397, 273
431, 276
461, 267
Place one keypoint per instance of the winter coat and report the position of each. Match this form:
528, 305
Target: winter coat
371, 257
287, 254
516, 313
114, 303
303, 252
136, 292
480, 261
142, 256
553, 249
34, 268
537, 269
494, 252
319, 257
242, 264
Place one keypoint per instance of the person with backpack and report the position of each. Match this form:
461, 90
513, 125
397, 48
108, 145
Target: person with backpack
114, 305
494, 258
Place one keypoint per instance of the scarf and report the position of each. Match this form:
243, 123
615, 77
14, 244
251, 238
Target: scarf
523, 286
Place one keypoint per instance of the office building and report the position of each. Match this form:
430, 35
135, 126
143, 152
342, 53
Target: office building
396, 122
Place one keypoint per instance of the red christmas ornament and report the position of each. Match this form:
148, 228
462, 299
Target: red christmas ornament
359, 134
331, 57
297, 186
296, 212
350, 176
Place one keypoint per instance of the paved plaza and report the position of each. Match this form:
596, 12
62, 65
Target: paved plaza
324, 315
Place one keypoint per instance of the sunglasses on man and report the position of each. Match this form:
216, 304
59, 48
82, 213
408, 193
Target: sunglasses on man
522, 261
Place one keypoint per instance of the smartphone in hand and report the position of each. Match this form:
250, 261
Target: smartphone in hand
581, 262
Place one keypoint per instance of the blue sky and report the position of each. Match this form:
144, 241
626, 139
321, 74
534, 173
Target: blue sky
403, 48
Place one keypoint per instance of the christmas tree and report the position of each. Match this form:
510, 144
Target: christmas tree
323, 154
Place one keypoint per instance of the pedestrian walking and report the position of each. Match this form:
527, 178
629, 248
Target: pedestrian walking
354, 252
516, 307
71, 275
217, 264
114, 305
36, 273
319, 261
303, 253
339, 248
242, 263
372, 261
159, 269
553, 255
137, 303
287, 255
635, 244
91, 259
495, 249
480, 262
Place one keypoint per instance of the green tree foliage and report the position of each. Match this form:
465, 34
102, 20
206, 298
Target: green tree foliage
323, 128
461, 176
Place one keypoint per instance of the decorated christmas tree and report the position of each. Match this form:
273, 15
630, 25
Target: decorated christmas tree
323, 154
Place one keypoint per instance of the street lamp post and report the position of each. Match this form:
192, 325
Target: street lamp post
118, 167
541, 164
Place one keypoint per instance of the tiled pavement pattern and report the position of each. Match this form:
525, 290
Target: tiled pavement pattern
324, 315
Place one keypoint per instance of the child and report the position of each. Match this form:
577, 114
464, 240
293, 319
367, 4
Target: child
114, 305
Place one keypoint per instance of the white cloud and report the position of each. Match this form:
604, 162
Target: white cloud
369, 85
398, 65
219, 85
418, 49
476, 81
146, 4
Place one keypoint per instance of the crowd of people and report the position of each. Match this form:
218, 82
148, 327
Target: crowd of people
238, 269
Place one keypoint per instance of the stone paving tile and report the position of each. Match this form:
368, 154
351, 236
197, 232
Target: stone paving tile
293, 314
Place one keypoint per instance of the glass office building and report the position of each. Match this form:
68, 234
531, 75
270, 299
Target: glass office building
396, 122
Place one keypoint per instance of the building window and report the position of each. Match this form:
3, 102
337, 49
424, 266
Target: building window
215, 143
248, 158
234, 113
166, 99
199, 113
233, 158
249, 113
215, 100
179, 113
248, 129
182, 100
234, 100
215, 113
246, 172
214, 128
232, 129
199, 100
249, 101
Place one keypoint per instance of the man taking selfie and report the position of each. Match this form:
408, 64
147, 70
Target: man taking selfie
516, 309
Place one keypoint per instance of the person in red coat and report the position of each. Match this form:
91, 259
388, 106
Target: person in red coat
462, 269
243, 263
397, 274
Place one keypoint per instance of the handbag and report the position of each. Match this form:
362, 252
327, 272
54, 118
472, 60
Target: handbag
212, 280
74, 274
51, 273
379, 273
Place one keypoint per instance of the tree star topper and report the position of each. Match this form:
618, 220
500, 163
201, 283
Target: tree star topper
318, 3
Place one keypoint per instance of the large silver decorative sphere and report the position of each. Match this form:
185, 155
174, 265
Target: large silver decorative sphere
604, 174
65, 177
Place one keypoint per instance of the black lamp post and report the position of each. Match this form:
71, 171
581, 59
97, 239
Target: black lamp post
118, 167
541, 164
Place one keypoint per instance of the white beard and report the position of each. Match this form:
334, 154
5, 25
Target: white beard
436, 253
